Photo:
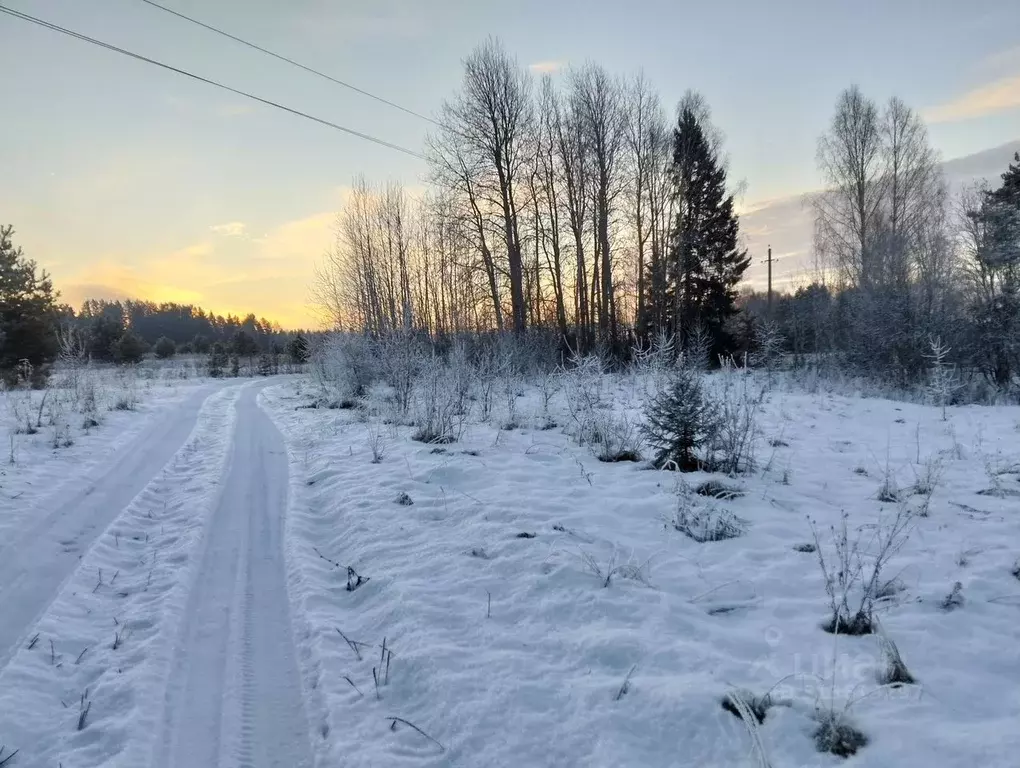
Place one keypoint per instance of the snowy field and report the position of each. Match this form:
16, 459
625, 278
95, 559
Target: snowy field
542, 609
229, 576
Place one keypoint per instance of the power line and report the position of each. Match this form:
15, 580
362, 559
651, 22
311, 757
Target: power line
297, 64
253, 97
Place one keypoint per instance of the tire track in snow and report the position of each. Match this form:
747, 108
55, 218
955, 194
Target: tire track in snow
35, 565
109, 631
235, 697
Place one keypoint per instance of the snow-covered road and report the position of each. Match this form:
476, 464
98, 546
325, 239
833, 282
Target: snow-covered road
35, 563
146, 619
235, 697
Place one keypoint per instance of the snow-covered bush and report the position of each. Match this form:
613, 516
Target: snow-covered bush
738, 406
21, 404
462, 376
510, 386
680, 420
402, 356
615, 438
655, 364
703, 521
708, 523
549, 384
435, 410
582, 388
489, 363
344, 366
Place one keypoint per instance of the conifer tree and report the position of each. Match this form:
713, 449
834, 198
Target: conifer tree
706, 263
27, 310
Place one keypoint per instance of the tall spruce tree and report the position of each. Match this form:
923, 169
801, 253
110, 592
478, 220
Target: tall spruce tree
997, 308
706, 263
28, 312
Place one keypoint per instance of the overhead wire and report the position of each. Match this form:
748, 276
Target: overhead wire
267, 102
288, 60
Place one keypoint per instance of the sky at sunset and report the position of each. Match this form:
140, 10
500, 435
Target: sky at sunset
124, 180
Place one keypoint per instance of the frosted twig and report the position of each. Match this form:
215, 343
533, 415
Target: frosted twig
354, 644
626, 685
395, 720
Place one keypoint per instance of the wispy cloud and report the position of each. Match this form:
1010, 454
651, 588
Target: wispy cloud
547, 67
999, 96
1006, 60
230, 229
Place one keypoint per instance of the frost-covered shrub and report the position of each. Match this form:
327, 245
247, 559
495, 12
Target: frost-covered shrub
680, 420
582, 389
549, 384
345, 366
462, 376
402, 356
703, 521
708, 523
656, 363
737, 406
435, 411
615, 438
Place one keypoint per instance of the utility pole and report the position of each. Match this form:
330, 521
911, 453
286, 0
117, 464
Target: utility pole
770, 282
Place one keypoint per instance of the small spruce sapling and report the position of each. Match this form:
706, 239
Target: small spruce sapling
680, 420
942, 375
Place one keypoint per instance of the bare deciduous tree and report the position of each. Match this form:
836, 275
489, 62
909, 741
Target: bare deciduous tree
485, 139
597, 100
850, 159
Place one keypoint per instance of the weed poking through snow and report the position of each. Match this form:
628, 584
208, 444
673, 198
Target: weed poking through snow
393, 727
354, 579
837, 735
854, 576
895, 671
704, 523
954, 599
625, 687
376, 441
84, 707
718, 490
605, 574
741, 703
738, 705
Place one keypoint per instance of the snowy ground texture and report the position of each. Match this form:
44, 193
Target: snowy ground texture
224, 576
508, 648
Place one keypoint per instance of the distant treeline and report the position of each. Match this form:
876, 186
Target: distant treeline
103, 323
